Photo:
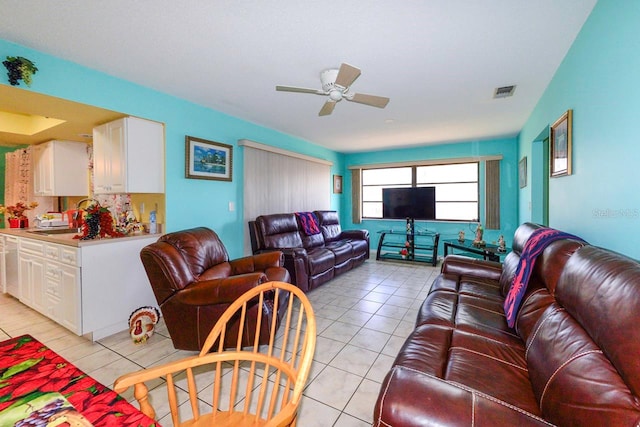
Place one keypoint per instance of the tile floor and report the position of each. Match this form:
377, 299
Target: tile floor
363, 318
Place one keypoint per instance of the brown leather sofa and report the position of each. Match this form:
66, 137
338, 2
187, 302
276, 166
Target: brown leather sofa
571, 359
310, 259
194, 282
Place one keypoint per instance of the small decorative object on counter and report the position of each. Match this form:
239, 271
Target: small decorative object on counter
461, 236
15, 214
98, 222
142, 322
19, 68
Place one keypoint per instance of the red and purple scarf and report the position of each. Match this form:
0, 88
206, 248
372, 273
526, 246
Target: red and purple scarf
539, 240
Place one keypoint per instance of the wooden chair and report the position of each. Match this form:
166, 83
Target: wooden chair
264, 383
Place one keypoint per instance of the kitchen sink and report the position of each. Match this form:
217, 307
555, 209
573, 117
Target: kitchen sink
49, 231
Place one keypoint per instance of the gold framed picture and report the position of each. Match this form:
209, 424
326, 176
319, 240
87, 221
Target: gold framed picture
560, 136
208, 159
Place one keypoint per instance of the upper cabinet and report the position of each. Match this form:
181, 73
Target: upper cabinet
61, 169
128, 157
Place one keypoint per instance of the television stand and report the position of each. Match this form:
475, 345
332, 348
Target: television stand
408, 245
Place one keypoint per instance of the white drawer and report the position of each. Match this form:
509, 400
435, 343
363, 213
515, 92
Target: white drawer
70, 256
52, 252
32, 246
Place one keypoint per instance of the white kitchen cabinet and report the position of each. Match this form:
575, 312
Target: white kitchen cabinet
31, 277
128, 157
49, 276
61, 169
90, 287
9, 265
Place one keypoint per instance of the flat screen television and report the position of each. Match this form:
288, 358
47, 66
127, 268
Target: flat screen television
409, 202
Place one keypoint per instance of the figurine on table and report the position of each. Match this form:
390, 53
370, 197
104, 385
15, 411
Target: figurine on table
461, 236
479, 232
502, 246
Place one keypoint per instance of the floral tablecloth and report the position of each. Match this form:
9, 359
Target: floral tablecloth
30, 373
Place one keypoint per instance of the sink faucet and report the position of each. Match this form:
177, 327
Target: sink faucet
88, 199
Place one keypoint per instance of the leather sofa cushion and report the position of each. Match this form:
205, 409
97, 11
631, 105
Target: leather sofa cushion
343, 251
279, 231
359, 247
320, 260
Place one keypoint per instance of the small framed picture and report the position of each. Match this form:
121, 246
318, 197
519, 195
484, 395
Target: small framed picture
522, 172
337, 184
208, 159
560, 135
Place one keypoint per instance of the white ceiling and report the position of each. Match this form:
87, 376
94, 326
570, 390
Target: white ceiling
438, 60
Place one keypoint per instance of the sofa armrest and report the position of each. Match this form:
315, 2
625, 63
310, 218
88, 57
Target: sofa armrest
355, 234
413, 398
466, 266
219, 291
258, 262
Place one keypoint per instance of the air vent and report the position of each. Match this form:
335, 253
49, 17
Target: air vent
504, 91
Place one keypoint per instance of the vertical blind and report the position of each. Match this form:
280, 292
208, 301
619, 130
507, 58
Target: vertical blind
278, 181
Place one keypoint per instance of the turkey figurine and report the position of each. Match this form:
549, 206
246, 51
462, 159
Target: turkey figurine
142, 323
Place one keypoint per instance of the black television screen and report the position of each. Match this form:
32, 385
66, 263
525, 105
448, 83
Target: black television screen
409, 202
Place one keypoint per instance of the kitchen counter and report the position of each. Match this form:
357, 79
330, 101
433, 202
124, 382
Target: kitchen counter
88, 286
67, 238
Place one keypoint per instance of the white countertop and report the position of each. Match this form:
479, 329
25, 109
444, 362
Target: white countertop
68, 238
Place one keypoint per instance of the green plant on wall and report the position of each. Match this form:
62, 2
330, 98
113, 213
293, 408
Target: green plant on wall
19, 68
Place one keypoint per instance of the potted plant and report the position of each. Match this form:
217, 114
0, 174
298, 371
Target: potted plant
15, 214
19, 68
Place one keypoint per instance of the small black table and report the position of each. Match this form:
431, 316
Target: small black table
489, 252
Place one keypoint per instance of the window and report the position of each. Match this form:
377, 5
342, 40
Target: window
457, 188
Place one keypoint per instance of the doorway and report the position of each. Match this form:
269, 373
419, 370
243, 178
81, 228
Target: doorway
540, 180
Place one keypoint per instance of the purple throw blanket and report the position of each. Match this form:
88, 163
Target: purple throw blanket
539, 240
309, 223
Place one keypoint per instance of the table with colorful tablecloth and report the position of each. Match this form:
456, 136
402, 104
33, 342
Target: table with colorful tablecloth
37, 384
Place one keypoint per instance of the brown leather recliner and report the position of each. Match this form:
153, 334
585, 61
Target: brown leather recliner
194, 282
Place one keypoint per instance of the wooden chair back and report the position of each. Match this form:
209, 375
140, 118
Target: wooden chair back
259, 385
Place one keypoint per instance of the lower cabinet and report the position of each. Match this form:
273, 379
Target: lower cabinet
91, 289
50, 281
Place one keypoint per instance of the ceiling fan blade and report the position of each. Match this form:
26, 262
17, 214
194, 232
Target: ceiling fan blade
374, 101
347, 75
327, 108
299, 89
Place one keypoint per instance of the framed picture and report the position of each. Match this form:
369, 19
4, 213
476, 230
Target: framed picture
560, 145
208, 159
337, 184
522, 172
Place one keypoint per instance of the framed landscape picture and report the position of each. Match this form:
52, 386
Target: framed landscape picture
560, 135
208, 159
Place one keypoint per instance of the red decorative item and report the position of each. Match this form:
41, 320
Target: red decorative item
98, 222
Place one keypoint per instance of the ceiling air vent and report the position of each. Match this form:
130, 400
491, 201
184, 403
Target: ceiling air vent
504, 91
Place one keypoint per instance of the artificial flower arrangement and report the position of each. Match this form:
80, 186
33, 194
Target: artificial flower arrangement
17, 211
405, 251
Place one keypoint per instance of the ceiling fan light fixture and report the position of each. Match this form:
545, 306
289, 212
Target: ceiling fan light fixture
335, 95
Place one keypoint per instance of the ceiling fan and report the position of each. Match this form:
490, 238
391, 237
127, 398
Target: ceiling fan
337, 85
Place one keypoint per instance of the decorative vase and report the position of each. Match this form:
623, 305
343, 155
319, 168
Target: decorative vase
18, 223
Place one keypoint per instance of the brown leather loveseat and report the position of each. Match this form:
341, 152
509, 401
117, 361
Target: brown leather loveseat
194, 282
572, 357
312, 259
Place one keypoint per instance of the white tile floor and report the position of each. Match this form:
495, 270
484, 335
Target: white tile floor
363, 318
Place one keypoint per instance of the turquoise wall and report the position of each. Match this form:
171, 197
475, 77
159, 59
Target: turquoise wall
189, 202
508, 148
600, 80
